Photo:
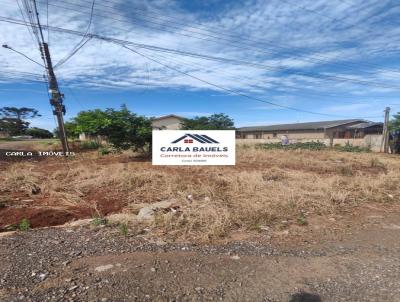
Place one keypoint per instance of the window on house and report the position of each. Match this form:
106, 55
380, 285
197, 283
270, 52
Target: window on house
274, 134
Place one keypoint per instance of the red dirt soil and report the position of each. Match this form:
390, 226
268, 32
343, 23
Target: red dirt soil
41, 211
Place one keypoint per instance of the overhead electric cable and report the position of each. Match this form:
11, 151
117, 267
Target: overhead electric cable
221, 38
22, 54
221, 59
231, 91
218, 40
81, 43
26, 24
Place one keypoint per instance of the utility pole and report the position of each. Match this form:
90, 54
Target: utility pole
56, 96
385, 134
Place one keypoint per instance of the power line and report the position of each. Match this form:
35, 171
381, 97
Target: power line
250, 82
222, 36
22, 89
28, 10
8, 73
231, 91
22, 54
56, 99
219, 39
70, 55
174, 61
26, 23
293, 3
213, 58
47, 21
81, 43
37, 20
174, 20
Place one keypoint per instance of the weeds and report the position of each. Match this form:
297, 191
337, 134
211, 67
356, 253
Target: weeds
123, 229
264, 188
104, 151
89, 145
376, 163
305, 146
99, 221
312, 146
24, 225
350, 148
301, 220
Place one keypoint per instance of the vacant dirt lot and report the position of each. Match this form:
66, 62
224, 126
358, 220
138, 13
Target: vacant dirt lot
279, 226
266, 189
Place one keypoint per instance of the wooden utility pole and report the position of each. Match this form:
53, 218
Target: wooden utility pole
385, 134
56, 96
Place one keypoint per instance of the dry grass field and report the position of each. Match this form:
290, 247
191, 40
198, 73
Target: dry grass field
266, 189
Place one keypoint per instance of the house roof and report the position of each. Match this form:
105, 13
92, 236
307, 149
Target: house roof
168, 116
364, 125
303, 126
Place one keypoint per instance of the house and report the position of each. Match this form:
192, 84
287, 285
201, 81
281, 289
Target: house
169, 122
351, 128
4, 134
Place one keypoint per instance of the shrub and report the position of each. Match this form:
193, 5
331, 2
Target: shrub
98, 221
24, 225
89, 145
306, 146
39, 133
104, 151
350, 148
123, 229
124, 129
301, 220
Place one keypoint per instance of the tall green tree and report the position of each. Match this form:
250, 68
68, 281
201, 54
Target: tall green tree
38, 132
13, 119
71, 128
394, 124
218, 121
123, 128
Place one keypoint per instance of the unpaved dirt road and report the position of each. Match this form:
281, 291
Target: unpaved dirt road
99, 264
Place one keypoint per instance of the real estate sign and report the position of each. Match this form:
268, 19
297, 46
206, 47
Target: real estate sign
194, 147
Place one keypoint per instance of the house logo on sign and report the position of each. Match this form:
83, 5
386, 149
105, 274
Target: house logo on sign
201, 138
193, 147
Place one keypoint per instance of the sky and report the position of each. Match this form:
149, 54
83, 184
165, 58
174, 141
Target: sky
260, 62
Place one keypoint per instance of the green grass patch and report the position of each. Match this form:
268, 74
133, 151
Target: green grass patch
24, 225
123, 229
350, 148
98, 221
89, 145
295, 146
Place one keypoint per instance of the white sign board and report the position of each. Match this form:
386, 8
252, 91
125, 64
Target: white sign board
194, 147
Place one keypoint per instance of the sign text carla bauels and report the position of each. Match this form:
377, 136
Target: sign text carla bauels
193, 147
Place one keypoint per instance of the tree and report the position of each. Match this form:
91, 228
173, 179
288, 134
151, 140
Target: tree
71, 128
38, 133
394, 124
123, 128
13, 119
91, 122
216, 121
